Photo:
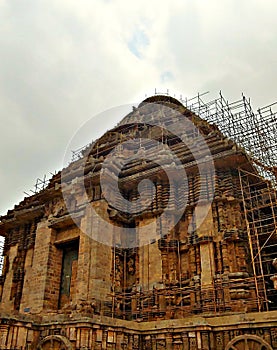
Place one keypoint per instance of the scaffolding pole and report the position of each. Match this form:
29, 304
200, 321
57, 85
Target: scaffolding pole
260, 211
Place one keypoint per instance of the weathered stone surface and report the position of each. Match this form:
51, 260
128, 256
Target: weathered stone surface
190, 284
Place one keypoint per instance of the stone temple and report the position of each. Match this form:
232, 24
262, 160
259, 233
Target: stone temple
161, 234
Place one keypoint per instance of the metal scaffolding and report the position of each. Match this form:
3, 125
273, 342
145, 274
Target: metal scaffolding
253, 132
256, 133
260, 210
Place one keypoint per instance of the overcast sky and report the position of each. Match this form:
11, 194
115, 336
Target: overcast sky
63, 61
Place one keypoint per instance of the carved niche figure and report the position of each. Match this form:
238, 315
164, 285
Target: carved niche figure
118, 274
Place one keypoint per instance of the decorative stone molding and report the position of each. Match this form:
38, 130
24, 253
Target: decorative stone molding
55, 342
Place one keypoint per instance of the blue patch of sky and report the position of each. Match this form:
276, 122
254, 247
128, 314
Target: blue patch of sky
166, 76
138, 42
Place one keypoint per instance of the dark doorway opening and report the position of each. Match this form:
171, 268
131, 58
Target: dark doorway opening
69, 272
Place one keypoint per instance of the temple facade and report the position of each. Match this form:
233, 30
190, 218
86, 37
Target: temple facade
174, 262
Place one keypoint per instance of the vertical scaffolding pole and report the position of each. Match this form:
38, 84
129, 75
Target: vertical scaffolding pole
249, 237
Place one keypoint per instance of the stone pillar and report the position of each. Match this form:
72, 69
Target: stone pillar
150, 257
7, 304
36, 279
207, 263
21, 337
185, 340
225, 258
205, 340
95, 259
169, 341
83, 271
205, 231
3, 335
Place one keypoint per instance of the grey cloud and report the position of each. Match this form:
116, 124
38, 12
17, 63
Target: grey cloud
63, 62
